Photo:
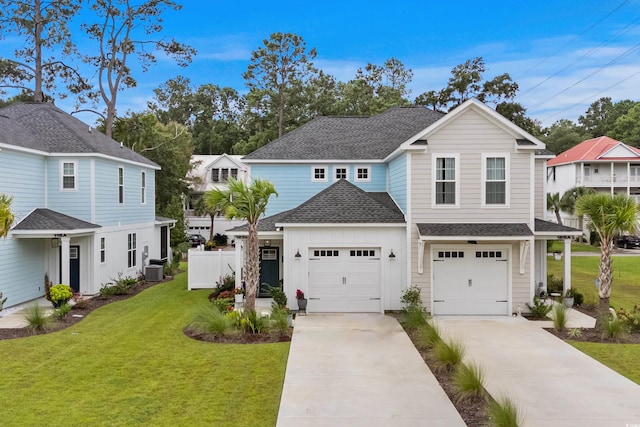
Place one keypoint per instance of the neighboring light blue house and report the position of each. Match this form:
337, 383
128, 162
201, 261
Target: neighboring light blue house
368, 206
84, 205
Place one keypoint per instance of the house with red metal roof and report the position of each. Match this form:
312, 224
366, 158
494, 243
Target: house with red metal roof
602, 163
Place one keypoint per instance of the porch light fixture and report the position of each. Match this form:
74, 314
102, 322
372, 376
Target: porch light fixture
392, 255
55, 242
297, 255
267, 242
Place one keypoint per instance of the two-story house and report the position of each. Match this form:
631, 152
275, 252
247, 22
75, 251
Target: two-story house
368, 206
602, 164
211, 172
84, 205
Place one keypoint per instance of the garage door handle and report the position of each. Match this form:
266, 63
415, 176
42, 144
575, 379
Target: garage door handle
438, 300
501, 300
372, 299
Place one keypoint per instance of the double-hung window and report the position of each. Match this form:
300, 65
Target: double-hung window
446, 180
103, 250
143, 187
120, 185
131, 250
495, 180
69, 178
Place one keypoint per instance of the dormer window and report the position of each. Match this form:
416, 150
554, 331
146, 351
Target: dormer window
363, 174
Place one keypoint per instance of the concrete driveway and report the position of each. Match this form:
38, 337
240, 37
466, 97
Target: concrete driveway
551, 382
359, 370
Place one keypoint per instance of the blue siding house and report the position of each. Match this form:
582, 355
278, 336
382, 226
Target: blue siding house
84, 205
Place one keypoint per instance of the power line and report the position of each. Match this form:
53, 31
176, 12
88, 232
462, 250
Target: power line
613, 61
619, 33
572, 40
590, 97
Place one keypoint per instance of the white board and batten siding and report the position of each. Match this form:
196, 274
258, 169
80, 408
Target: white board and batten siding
207, 267
346, 268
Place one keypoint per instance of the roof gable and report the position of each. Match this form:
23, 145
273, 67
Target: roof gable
45, 127
600, 148
348, 138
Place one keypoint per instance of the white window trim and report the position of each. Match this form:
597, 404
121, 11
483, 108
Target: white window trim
313, 173
355, 173
507, 174
75, 175
103, 250
434, 157
143, 187
335, 172
132, 250
120, 168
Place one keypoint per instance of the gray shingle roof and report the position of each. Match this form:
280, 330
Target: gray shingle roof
44, 127
341, 203
552, 227
48, 220
474, 230
349, 138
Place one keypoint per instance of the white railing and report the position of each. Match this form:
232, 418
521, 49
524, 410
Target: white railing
206, 267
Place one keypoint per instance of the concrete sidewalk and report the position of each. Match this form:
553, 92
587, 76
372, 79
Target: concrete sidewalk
359, 370
551, 382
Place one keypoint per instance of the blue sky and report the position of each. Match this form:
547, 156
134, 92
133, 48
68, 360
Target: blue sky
563, 54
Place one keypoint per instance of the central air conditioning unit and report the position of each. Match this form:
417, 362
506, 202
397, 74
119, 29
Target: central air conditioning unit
153, 273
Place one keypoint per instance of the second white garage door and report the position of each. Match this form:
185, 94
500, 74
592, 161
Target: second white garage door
470, 281
344, 280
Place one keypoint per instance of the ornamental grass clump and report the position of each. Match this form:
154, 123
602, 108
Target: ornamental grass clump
37, 319
212, 321
428, 335
449, 354
559, 317
468, 382
614, 329
503, 412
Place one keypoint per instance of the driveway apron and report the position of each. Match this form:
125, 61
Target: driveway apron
359, 370
552, 383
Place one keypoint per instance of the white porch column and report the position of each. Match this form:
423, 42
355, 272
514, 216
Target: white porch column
64, 260
567, 265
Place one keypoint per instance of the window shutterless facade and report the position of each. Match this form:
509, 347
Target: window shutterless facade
69, 175
495, 186
121, 185
131, 250
446, 180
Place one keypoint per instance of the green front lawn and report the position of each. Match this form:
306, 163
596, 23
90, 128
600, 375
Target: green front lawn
558, 246
129, 363
625, 292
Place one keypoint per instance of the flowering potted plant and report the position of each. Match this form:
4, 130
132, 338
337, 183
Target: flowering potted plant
302, 301
239, 294
60, 294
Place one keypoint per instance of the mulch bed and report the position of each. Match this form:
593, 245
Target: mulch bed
472, 411
240, 338
69, 320
589, 334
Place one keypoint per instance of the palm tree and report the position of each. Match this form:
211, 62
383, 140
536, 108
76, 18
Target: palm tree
553, 204
6, 216
569, 199
200, 208
248, 203
608, 216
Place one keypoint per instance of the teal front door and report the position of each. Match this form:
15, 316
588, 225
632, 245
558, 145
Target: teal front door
269, 270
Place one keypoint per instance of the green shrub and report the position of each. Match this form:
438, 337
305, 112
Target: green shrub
559, 317
468, 382
504, 413
630, 318
220, 239
120, 286
236, 317
411, 298
578, 299
62, 311
555, 284
614, 329
224, 283
2, 301
279, 297
212, 321
254, 323
37, 319
449, 354
575, 333
539, 309
279, 321
223, 305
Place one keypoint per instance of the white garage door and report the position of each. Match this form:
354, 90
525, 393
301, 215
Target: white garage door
470, 281
344, 280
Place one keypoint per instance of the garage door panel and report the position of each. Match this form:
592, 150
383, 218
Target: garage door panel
472, 282
344, 280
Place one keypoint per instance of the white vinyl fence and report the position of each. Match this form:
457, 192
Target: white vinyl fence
206, 267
